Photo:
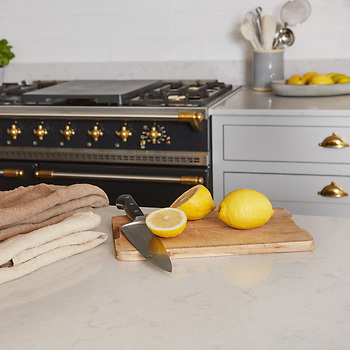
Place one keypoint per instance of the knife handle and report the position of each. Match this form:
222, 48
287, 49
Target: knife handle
126, 202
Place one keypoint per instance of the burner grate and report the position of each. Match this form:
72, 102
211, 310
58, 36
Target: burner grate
179, 93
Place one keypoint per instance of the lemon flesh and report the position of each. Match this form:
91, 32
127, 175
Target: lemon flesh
197, 202
166, 222
245, 209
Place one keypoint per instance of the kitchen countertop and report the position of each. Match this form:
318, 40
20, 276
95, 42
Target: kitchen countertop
269, 301
249, 102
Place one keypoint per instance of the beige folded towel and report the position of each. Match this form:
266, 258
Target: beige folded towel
25, 253
28, 208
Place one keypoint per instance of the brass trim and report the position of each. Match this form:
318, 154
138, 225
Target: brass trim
192, 180
334, 141
333, 191
12, 173
44, 174
194, 118
14, 132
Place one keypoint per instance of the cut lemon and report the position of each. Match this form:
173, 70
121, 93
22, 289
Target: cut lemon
166, 222
197, 202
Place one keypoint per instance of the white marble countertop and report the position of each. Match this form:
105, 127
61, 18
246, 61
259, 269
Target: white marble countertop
249, 102
269, 301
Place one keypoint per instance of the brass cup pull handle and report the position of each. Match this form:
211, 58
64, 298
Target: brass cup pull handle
11, 173
334, 141
332, 190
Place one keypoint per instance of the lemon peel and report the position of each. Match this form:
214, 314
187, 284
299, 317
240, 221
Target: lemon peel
245, 209
197, 202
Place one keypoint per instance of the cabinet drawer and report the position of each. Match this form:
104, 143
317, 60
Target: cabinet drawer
283, 143
297, 193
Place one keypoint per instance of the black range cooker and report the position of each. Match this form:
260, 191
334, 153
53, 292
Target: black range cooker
149, 138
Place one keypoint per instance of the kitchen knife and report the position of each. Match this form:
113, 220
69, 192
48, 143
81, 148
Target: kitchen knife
140, 236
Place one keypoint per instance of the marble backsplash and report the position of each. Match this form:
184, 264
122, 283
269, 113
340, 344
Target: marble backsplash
235, 72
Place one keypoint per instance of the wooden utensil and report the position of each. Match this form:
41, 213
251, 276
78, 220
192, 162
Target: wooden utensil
248, 32
212, 237
268, 29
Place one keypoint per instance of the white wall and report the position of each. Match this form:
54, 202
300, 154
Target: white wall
118, 33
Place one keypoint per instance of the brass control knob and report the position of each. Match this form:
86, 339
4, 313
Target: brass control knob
124, 133
332, 190
153, 134
95, 133
13, 132
67, 132
40, 132
333, 141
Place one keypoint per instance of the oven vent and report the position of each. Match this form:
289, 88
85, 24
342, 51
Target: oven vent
105, 156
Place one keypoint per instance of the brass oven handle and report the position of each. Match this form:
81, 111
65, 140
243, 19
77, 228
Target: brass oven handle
185, 180
334, 141
332, 190
11, 172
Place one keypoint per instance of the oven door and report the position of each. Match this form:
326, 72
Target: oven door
151, 186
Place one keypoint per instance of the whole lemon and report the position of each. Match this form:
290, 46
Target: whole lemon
245, 209
308, 76
296, 80
197, 202
337, 77
321, 79
343, 80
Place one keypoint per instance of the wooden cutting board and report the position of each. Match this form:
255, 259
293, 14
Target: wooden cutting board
212, 237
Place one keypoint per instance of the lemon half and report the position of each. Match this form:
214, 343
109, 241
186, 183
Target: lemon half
197, 202
245, 209
166, 222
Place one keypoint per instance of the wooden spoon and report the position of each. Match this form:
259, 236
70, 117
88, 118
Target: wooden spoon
268, 29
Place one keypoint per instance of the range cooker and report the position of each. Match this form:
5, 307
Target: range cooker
149, 138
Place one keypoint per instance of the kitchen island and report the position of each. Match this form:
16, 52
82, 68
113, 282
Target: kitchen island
268, 301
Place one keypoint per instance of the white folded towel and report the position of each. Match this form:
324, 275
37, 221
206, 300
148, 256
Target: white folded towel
25, 253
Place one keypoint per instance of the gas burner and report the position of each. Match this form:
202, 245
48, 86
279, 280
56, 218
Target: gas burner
181, 94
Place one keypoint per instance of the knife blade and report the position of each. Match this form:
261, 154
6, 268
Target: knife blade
140, 236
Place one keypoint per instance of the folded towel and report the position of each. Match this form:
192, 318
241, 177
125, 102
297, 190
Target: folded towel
28, 208
25, 253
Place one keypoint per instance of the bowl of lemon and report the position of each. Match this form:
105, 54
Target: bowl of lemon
313, 84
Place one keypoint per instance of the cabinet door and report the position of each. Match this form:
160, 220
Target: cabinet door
297, 193
283, 143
